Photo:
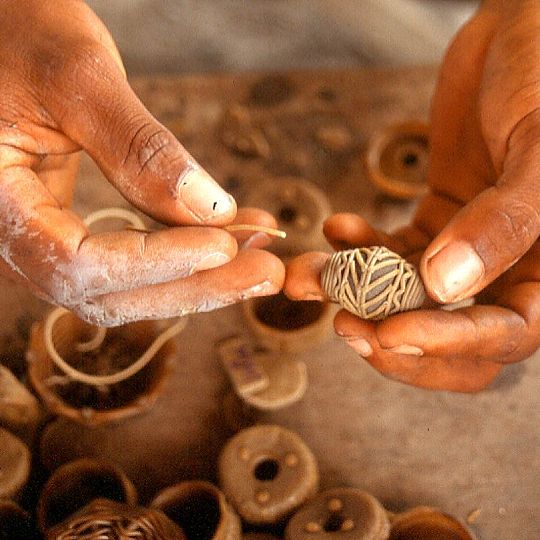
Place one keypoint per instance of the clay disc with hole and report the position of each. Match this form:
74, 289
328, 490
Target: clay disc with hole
15, 459
344, 513
300, 209
424, 523
397, 159
266, 473
287, 383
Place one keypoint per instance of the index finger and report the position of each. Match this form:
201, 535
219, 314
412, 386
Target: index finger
53, 248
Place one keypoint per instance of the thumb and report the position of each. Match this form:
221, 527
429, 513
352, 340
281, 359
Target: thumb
495, 229
95, 106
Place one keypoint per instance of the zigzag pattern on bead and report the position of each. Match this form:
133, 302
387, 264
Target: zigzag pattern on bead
372, 283
105, 519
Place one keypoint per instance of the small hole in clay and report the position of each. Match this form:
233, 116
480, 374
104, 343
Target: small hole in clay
266, 470
287, 214
410, 159
334, 522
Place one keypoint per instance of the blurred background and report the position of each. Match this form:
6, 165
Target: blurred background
160, 36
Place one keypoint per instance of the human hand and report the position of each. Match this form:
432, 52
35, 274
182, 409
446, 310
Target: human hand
476, 231
64, 89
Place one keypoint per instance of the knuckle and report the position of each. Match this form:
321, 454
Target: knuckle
71, 65
151, 148
516, 225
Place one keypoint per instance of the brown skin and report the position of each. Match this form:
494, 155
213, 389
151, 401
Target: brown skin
64, 90
483, 210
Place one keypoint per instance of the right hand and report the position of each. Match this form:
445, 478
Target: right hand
64, 90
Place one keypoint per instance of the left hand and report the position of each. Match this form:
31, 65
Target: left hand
476, 231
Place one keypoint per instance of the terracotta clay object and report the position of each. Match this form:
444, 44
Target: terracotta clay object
372, 283
103, 518
300, 209
15, 523
263, 380
15, 462
19, 408
344, 513
93, 405
200, 509
397, 159
267, 472
424, 523
288, 382
281, 325
77, 483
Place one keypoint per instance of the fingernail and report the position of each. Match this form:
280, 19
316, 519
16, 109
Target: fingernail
411, 350
210, 261
361, 346
203, 196
454, 270
258, 239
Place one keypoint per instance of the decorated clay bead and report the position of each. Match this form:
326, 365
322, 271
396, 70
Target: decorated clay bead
344, 513
200, 509
108, 519
424, 523
372, 283
267, 472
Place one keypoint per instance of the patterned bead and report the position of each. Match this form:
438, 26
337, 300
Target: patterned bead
116, 521
372, 283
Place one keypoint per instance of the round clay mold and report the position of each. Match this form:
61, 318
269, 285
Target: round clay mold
397, 159
284, 325
300, 209
267, 472
344, 513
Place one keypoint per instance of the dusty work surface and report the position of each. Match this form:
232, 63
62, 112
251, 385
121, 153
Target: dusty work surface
406, 446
